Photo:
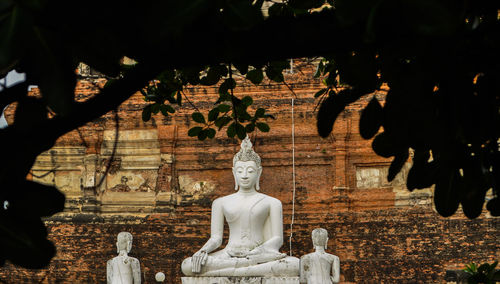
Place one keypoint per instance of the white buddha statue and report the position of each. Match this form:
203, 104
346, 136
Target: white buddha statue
319, 267
255, 229
123, 269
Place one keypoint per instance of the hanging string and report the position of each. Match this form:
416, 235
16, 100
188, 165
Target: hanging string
293, 180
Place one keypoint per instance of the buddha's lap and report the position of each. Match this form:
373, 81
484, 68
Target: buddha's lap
218, 266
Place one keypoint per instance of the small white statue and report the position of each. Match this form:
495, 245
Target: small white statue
319, 267
124, 269
255, 229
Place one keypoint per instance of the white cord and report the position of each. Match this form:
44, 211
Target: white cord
293, 179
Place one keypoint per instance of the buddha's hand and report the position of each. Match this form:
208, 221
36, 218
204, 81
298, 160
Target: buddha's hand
256, 251
198, 259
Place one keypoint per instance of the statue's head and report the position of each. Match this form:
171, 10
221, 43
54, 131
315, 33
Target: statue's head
320, 237
246, 167
124, 242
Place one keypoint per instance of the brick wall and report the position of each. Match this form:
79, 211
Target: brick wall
161, 182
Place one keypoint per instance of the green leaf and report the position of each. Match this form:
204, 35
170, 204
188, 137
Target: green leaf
198, 117
211, 133
155, 108
371, 119
202, 135
320, 92
260, 112
222, 121
247, 101
255, 76
250, 127
179, 98
194, 131
231, 130
319, 69
229, 83
274, 74
224, 108
263, 126
240, 131
213, 114
146, 113
269, 116
166, 109
214, 74
224, 97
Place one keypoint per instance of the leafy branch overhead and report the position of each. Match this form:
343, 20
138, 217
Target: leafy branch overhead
439, 60
229, 111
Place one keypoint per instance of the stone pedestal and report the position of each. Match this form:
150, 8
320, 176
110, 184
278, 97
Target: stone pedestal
240, 280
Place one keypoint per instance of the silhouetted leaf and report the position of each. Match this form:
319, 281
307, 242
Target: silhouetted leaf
231, 130
198, 117
447, 192
241, 67
371, 119
383, 145
222, 121
320, 92
249, 127
260, 112
477, 183
397, 164
166, 109
29, 110
194, 131
228, 83
274, 74
255, 76
240, 131
211, 133
21, 237
155, 108
224, 108
179, 98
494, 206
146, 113
202, 135
241, 15
247, 101
263, 126
328, 112
422, 174
213, 114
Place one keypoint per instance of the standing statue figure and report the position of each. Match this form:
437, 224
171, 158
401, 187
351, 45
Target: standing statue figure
124, 269
319, 267
255, 229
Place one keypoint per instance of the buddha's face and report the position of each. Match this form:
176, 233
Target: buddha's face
246, 174
123, 243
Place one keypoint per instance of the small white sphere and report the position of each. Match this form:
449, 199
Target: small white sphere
160, 277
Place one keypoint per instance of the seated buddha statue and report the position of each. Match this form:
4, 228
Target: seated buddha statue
255, 223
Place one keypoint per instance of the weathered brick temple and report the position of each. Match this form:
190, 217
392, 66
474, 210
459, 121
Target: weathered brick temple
161, 183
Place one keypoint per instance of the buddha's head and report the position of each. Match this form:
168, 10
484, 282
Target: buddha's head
246, 167
320, 237
124, 242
